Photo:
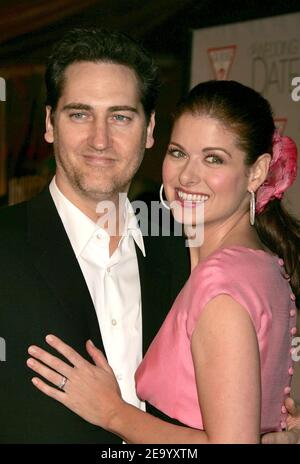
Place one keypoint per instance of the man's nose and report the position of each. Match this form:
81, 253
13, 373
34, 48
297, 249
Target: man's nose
99, 135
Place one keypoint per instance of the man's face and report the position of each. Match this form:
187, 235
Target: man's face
99, 131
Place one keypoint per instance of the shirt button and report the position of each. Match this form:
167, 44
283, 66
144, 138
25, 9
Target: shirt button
293, 330
292, 297
287, 390
291, 371
292, 312
114, 322
120, 377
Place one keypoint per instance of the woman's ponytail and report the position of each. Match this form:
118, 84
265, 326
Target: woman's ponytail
277, 228
280, 232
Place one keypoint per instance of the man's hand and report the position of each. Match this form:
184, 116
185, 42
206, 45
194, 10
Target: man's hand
292, 434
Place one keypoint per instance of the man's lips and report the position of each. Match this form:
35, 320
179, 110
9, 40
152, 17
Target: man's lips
99, 160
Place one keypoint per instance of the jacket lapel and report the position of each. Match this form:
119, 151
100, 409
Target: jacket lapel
154, 288
54, 259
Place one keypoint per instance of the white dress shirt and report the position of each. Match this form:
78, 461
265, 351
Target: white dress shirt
114, 286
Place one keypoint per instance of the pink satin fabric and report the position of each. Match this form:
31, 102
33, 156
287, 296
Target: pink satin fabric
256, 280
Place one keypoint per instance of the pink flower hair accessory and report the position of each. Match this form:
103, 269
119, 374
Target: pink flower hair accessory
282, 171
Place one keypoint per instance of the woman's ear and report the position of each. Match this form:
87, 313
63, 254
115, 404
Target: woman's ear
259, 171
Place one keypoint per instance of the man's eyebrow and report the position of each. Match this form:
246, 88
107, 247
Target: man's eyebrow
77, 106
112, 109
123, 108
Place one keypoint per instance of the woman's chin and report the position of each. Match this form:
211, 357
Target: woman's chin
192, 217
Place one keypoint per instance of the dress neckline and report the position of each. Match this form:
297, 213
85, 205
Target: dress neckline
241, 248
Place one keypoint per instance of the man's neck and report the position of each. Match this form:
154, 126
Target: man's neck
91, 207
112, 221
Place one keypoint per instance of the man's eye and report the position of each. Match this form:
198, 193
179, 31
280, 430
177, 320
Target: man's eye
214, 159
78, 116
121, 118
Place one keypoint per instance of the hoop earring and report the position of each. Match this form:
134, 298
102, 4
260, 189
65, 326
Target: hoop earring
252, 208
161, 197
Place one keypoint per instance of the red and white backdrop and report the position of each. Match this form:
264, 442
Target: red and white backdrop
263, 54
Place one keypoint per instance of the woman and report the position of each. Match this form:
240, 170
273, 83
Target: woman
224, 350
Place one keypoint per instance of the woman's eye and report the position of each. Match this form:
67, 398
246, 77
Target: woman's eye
176, 153
214, 159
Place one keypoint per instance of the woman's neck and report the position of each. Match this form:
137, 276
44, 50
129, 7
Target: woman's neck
235, 232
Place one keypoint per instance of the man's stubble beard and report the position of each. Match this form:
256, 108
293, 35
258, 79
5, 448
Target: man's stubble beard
107, 189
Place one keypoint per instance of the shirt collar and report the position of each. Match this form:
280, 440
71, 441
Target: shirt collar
80, 228
132, 227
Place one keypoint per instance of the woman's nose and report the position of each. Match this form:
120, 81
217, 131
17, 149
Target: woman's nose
190, 174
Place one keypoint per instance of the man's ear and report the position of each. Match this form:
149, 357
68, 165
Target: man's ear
150, 130
259, 171
49, 134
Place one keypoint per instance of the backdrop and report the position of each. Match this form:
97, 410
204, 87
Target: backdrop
263, 54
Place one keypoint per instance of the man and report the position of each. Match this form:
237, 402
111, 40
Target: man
63, 273
60, 271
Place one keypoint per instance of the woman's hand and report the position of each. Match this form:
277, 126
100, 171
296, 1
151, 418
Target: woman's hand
91, 391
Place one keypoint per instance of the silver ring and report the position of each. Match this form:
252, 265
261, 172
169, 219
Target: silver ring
62, 382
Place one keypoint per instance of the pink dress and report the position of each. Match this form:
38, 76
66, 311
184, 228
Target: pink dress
256, 280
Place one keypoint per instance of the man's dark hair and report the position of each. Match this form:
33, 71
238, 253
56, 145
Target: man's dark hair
102, 45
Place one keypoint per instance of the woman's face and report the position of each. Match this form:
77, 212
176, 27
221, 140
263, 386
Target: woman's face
204, 169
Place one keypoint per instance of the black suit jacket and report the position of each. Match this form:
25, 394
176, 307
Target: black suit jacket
42, 290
